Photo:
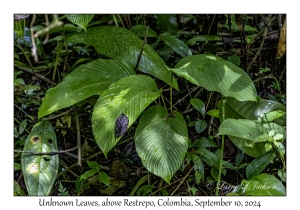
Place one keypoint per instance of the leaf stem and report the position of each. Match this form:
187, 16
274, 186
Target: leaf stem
222, 150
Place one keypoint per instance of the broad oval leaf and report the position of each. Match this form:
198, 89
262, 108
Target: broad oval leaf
86, 80
81, 20
123, 45
259, 164
200, 126
244, 134
215, 74
254, 110
161, 141
198, 105
40, 171
129, 96
177, 45
263, 184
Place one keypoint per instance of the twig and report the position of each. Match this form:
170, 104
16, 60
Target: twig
140, 55
269, 76
166, 186
57, 116
208, 32
29, 116
21, 48
33, 49
47, 24
46, 153
188, 94
182, 181
55, 23
258, 51
25, 129
121, 21
45, 79
78, 139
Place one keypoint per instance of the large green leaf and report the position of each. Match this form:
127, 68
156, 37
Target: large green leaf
215, 74
123, 45
161, 141
81, 20
140, 31
254, 110
263, 184
177, 45
244, 133
129, 96
86, 80
40, 171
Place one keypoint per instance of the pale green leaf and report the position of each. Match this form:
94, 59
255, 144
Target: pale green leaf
81, 20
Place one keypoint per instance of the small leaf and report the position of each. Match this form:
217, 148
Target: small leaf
177, 45
204, 142
193, 189
94, 165
282, 174
259, 164
81, 20
88, 174
234, 59
18, 189
202, 38
239, 158
144, 190
140, 31
200, 126
214, 113
198, 105
208, 157
104, 178
17, 166
138, 184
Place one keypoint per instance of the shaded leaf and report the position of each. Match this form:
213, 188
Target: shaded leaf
123, 45
198, 105
204, 142
104, 178
144, 190
259, 164
177, 45
200, 126
140, 31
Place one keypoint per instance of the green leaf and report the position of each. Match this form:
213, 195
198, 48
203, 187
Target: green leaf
263, 184
214, 113
239, 158
193, 189
94, 165
271, 116
198, 167
234, 59
204, 142
259, 164
202, 38
215, 74
200, 126
177, 45
17, 166
245, 135
140, 31
18, 189
86, 80
198, 105
123, 45
167, 22
161, 141
81, 20
88, 174
254, 110
104, 178
282, 174
138, 184
144, 190
129, 96
208, 157
40, 171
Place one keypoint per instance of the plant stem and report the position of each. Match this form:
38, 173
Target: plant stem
171, 89
222, 150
